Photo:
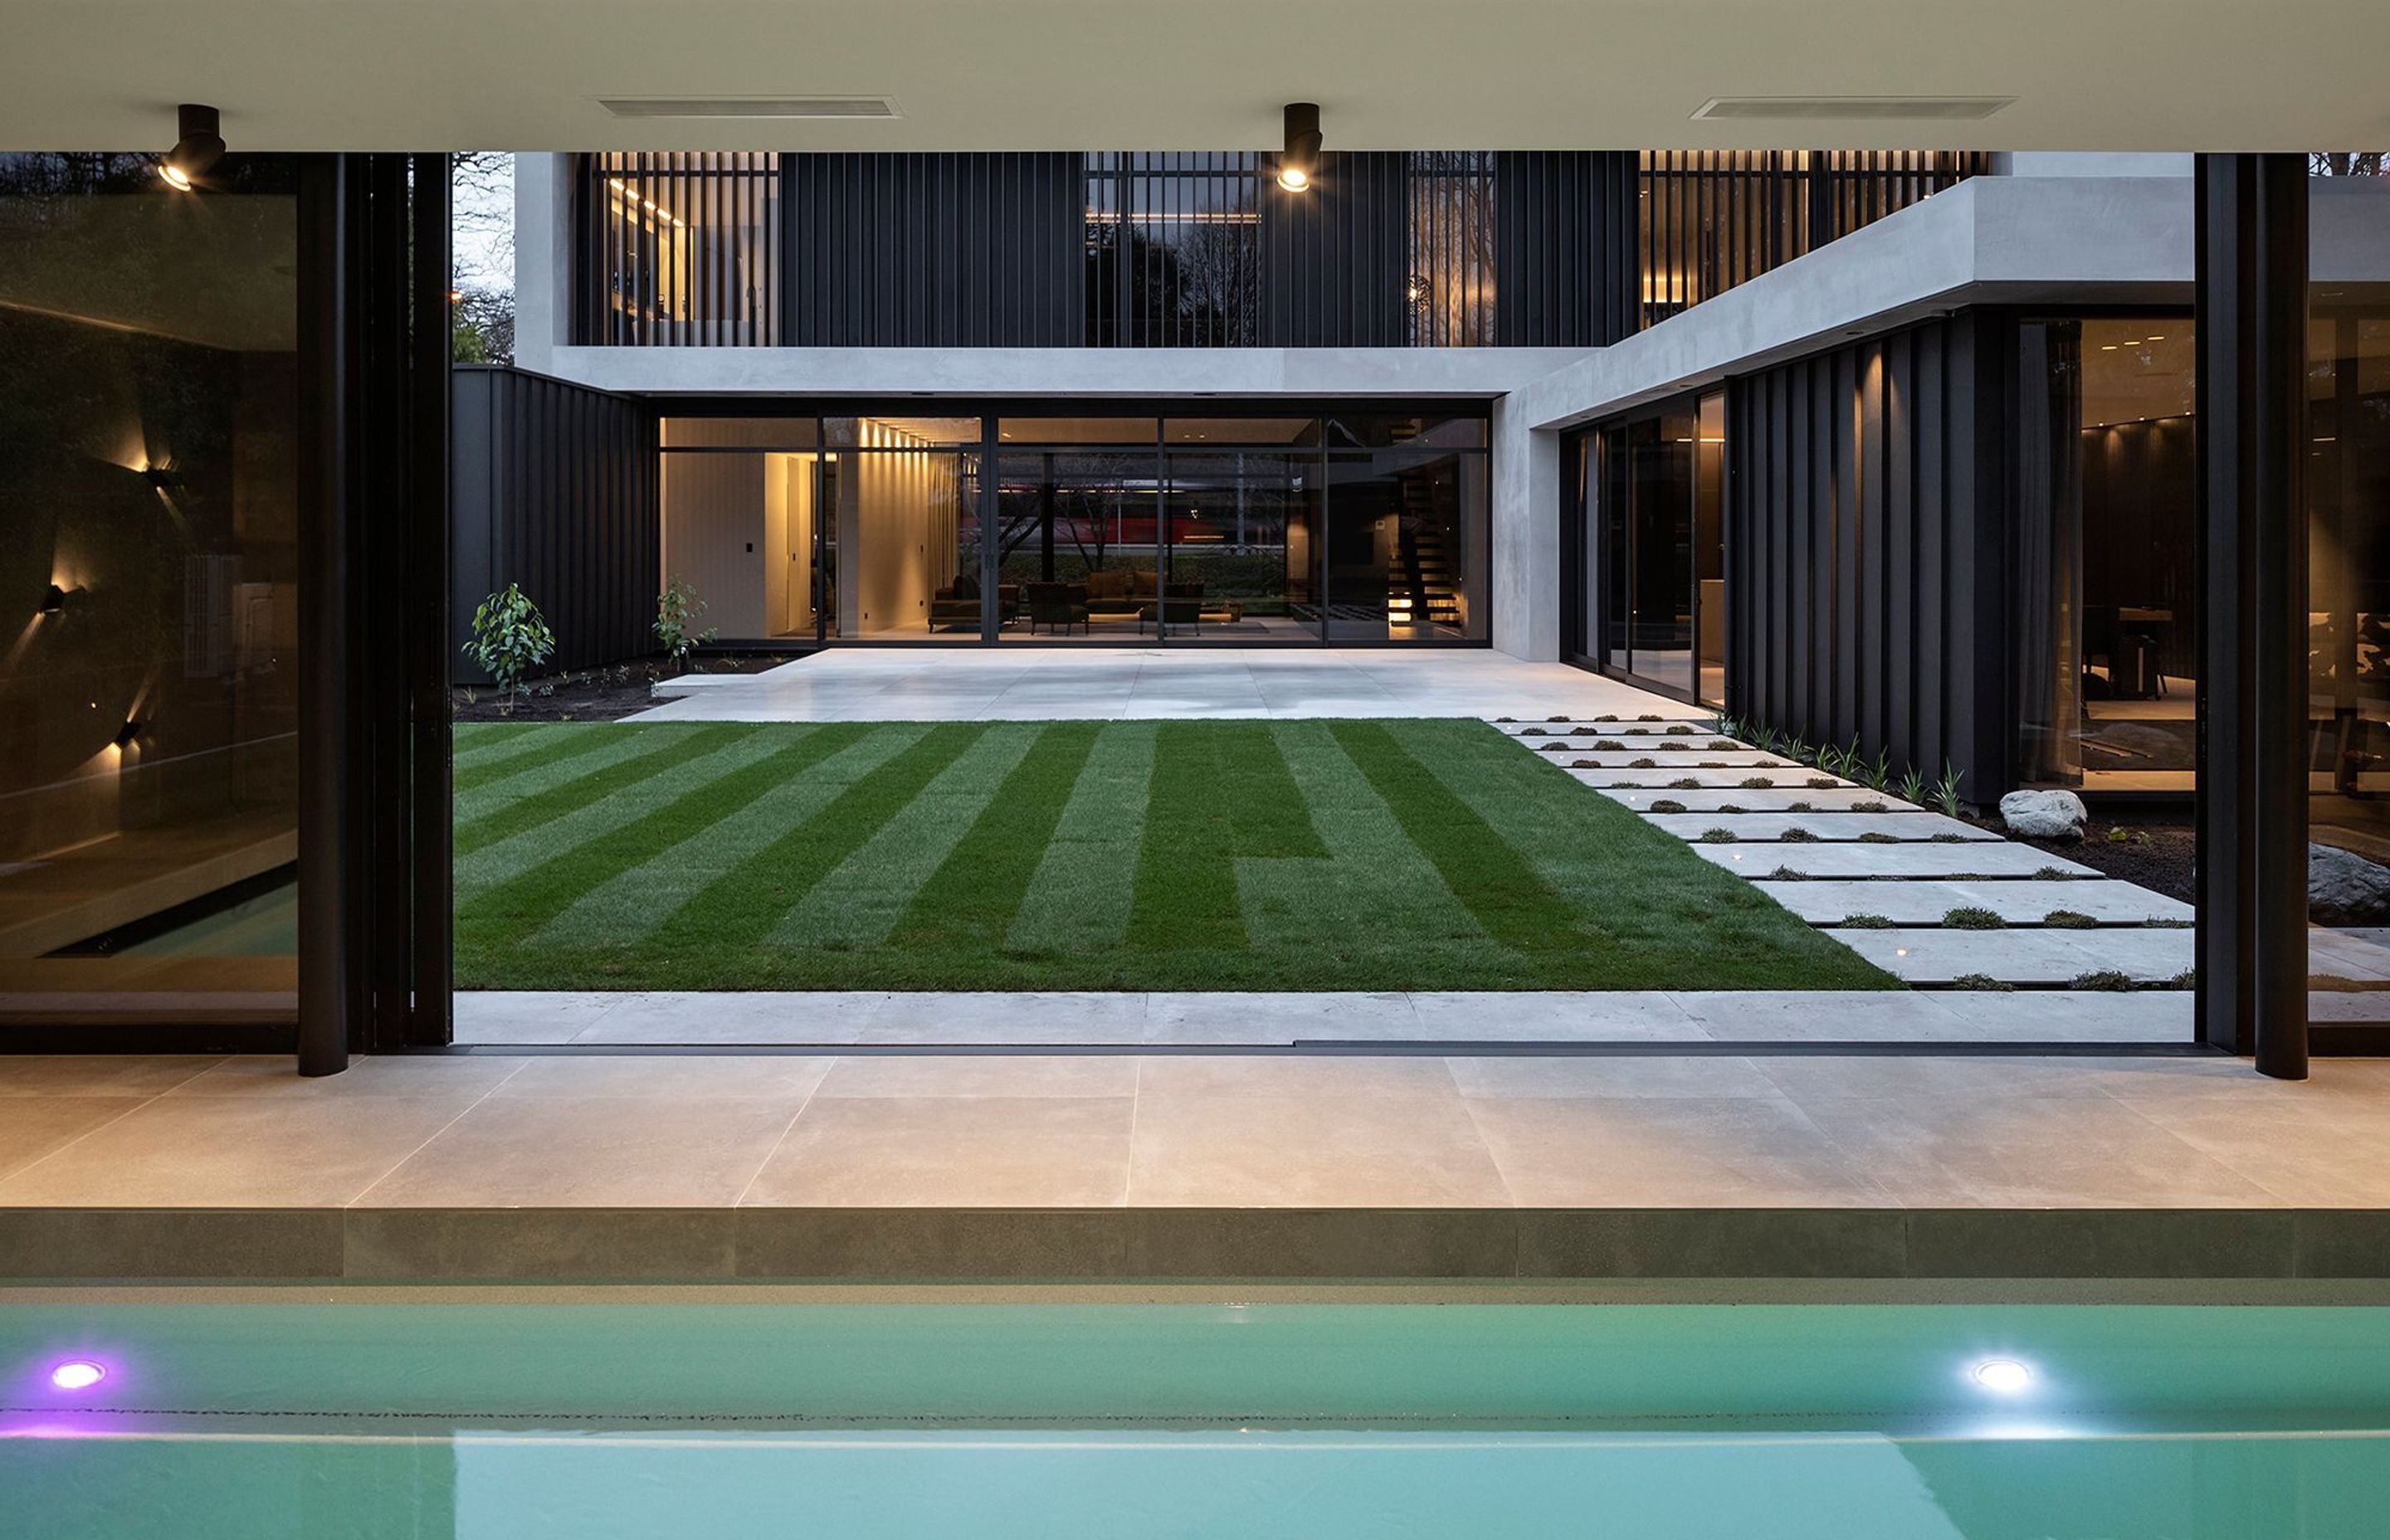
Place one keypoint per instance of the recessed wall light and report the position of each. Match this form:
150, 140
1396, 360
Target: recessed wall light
78, 1374
2004, 1374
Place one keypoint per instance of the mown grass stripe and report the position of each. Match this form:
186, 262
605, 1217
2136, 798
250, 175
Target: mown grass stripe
584, 792
1584, 846
626, 907
1516, 908
534, 752
1221, 792
512, 910
860, 901
976, 892
478, 742
1076, 902
738, 909
477, 871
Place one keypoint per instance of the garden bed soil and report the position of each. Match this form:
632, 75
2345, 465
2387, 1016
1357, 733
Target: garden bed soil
594, 695
2159, 856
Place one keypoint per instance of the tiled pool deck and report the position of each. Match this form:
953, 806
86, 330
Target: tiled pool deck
1095, 1167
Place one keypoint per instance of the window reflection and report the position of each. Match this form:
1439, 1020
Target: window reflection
149, 589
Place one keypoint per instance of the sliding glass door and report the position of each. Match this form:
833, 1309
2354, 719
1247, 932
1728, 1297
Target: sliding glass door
1653, 549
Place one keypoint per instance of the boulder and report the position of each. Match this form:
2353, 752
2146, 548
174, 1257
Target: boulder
2043, 814
2346, 889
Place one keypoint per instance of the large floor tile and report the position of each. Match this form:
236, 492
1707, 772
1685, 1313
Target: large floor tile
1552, 1016
236, 1152
590, 1152
1969, 1151
1813, 1079
1610, 1075
529, 1016
381, 1075
100, 1074
1662, 1151
727, 1018
33, 1126
1300, 1151
951, 1151
1278, 1017
1282, 1076
986, 1074
786, 1079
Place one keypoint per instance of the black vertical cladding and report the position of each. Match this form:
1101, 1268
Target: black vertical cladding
1564, 246
1869, 598
557, 488
1335, 259
934, 251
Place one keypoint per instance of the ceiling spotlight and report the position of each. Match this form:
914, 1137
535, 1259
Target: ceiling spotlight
1299, 162
199, 147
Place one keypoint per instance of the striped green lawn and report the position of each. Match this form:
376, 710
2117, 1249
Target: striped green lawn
1328, 854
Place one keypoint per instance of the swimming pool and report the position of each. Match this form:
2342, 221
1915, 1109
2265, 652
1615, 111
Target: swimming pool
1320, 1421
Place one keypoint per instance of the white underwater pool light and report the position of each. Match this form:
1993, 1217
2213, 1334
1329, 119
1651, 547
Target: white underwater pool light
77, 1374
2004, 1374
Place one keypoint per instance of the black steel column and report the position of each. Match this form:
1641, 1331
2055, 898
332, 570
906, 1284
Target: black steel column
2251, 234
326, 943
425, 532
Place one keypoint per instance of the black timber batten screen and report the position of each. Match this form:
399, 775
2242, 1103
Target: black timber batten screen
1110, 249
557, 488
1868, 548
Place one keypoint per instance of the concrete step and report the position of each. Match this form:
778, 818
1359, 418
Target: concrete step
1976, 858
1728, 777
2021, 956
2020, 902
1770, 827
1778, 799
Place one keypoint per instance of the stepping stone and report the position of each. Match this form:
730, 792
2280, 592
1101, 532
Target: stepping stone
2023, 902
2021, 956
2347, 955
1977, 858
1908, 827
1752, 758
1730, 777
1581, 727
1830, 799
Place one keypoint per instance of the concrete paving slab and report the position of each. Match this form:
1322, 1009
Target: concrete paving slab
2023, 902
1778, 799
1768, 828
1846, 860
2021, 956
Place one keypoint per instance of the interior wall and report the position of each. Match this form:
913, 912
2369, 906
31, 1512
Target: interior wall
716, 514
899, 515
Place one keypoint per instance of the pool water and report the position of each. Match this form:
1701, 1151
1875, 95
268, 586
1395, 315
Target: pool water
1059, 1422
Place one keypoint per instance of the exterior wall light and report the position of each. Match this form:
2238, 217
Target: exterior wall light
53, 600
201, 147
126, 735
1298, 164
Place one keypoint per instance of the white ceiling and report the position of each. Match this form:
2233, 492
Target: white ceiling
1078, 74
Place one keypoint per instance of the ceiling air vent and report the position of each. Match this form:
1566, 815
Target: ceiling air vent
1853, 109
750, 107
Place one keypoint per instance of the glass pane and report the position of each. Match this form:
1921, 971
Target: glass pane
741, 529
2348, 576
1274, 432
1661, 577
740, 433
1367, 429
899, 432
906, 544
1406, 543
1074, 431
149, 493
1076, 543
1709, 550
1617, 531
1242, 531
2107, 625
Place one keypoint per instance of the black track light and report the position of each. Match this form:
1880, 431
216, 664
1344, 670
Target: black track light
1298, 164
201, 147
